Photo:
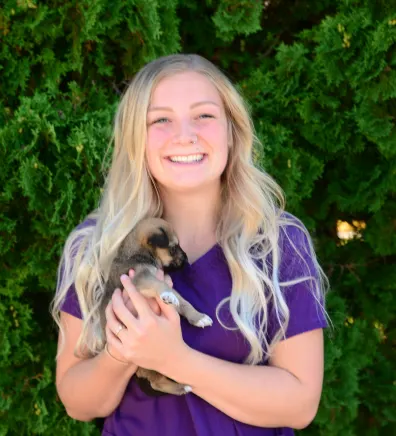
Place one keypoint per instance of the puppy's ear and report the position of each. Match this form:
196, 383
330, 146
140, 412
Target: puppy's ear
160, 240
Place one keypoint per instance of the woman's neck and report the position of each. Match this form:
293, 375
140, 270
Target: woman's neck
194, 216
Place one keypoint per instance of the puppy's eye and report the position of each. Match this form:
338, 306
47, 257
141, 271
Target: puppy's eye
160, 240
172, 249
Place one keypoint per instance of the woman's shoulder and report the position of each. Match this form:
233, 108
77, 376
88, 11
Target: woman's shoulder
302, 283
70, 303
80, 233
291, 223
293, 233
297, 252
88, 222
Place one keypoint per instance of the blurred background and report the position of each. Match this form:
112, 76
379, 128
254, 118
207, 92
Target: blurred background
320, 79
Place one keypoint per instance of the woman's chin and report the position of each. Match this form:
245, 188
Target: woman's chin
188, 185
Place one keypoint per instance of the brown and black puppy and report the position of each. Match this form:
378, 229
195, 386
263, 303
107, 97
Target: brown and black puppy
150, 246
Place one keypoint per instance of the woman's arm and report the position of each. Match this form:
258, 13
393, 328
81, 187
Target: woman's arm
284, 394
88, 388
93, 388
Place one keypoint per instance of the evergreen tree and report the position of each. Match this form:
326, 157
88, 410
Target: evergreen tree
320, 80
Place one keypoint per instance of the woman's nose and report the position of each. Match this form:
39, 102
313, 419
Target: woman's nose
185, 135
185, 139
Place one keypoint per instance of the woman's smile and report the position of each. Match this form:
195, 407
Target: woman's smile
190, 159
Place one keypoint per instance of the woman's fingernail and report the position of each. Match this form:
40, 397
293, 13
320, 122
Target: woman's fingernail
124, 277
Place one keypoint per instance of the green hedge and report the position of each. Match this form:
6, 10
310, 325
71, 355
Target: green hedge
320, 77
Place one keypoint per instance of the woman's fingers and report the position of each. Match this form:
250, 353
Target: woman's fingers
115, 346
152, 302
128, 303
168, 310
112, 338
122, 313
139, 302
113, 324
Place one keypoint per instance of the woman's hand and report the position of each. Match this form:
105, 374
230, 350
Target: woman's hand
140, 335
151, 301
112, 319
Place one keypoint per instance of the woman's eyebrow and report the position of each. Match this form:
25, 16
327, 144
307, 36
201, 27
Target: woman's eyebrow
204, 102
163, 108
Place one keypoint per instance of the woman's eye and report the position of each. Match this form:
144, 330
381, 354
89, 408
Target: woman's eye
206, 116
160, 121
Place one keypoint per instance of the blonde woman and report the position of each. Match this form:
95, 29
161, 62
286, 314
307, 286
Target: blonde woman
183, 143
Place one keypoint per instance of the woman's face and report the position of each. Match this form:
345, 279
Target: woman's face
186, 133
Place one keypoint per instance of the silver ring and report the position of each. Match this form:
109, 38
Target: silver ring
119, 328
194, 141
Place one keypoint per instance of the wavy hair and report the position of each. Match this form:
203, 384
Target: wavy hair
251, 219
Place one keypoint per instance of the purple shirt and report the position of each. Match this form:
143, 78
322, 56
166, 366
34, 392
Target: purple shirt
205, 283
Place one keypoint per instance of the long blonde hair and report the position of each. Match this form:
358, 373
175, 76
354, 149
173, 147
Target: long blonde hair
250, 224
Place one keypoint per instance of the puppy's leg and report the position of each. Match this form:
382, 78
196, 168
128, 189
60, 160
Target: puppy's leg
150, 286
161, 383
191, 314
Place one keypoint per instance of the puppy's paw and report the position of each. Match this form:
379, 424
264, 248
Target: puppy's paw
170, 298
205, 321
187, 389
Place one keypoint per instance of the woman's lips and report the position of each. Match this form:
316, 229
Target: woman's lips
190, 159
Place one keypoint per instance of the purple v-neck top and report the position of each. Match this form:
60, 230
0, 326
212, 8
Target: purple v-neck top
205, 283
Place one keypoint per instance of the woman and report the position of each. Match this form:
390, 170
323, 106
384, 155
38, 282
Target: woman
183, 150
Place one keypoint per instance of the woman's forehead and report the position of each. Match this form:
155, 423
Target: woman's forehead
188, 86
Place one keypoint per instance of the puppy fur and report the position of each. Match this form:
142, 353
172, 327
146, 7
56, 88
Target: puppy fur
150, 246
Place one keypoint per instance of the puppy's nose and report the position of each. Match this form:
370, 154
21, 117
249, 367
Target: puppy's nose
181, 257
184, 258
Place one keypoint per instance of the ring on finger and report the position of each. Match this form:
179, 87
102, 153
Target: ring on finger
119, 328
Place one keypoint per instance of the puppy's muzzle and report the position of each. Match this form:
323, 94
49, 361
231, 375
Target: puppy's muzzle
179, 257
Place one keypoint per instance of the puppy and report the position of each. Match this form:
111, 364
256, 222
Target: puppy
150, 246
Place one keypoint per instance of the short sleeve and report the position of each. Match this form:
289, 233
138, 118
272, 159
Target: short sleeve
296, 262
70, 303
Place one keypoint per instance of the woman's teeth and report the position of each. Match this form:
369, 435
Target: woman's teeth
187, 159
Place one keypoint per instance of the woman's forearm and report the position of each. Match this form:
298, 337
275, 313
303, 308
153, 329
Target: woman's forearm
264, 396
94, 387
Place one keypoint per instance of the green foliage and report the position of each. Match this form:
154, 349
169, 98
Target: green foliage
320, 80
237, 17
